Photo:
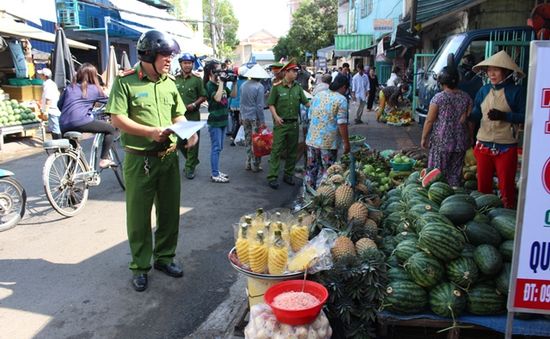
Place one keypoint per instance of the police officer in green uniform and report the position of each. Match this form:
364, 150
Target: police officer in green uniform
284, 103
193, 95
143, 102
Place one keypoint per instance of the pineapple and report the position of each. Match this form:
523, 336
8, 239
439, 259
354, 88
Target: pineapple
364, 244
299, 235
278, 255
336, 179
257, 254
242, 245
281, 226
343, 197
335, 169
372, 227
358, 213
327, 193
343, 247
257, 221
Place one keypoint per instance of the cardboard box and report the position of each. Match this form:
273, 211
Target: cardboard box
20, 93
37, 92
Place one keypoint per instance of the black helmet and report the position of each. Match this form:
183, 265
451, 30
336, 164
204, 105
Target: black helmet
154, 42
448, 77
186, 57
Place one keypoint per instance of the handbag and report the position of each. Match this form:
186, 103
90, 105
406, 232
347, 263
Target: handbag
262, 142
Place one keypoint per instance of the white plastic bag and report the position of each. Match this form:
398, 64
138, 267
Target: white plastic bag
239, 139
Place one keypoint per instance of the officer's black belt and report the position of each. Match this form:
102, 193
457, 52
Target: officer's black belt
289, 121
157, 153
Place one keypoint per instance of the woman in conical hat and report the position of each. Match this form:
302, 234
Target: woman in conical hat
499, 108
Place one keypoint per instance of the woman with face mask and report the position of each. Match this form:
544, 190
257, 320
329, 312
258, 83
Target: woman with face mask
499, 108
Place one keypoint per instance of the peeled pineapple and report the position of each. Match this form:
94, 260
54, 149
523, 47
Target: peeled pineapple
257, 254
278, 255
242, 245
299, 235
281, 226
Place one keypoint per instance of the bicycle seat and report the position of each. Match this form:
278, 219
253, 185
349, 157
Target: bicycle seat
73, 135
57, 144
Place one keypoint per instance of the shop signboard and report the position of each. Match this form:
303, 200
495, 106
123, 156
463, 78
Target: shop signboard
382, 25
530, 276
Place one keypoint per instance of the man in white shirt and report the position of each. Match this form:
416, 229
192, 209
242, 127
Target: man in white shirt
48, 104
359, 91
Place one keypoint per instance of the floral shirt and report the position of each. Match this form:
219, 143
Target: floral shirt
328, 110
448, 134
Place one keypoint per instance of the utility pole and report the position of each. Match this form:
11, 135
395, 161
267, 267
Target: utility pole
213, 37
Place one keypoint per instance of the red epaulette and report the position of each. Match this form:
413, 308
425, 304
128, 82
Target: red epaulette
127, 72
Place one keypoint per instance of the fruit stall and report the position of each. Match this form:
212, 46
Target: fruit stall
16, 117
400, 247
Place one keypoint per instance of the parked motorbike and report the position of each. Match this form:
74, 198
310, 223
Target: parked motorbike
13, 199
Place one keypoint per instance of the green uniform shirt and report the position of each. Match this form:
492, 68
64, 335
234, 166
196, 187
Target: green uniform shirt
287, 100
217, 110
190, 88
145, 102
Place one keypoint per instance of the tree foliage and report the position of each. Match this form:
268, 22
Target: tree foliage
226, 26
313, 27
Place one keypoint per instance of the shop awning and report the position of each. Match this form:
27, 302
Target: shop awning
429, 12
12, 28
325, 52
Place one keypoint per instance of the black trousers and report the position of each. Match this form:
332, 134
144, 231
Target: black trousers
235, 118
370, 100
98, 126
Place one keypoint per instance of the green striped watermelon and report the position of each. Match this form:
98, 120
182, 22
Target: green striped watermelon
481, 218
500, 211
507, 250
405, 249
459, 212
459, 198
399, 237
441, 240
486, 202
403, 296
424, 269
505, 225
488, 259
468, 251
463, 271
438, 191
502, 280
446, 300
477, 234
485, 299
398, 273
429, 217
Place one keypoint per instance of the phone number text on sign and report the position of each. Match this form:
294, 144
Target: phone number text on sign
531, 293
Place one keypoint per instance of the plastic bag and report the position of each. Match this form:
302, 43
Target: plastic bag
239, 138
262, 142
263, 324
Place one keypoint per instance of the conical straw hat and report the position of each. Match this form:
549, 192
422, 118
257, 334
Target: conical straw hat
502, 60
257, 72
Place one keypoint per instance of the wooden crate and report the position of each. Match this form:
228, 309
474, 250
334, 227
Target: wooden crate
19, 93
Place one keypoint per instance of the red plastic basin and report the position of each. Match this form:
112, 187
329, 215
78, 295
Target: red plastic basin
299, 317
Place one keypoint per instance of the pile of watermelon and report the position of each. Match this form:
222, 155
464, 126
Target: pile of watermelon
12, 113
449, 249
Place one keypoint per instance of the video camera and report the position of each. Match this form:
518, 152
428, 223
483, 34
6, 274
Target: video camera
226, 75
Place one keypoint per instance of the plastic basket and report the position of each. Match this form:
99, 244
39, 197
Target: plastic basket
403, 166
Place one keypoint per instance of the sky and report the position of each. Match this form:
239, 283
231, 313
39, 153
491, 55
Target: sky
254, 15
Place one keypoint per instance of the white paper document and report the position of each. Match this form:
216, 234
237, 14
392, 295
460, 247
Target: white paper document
185, 129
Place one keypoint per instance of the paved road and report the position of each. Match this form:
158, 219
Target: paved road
68, 277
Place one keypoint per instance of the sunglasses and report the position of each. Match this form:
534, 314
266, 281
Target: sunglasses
167, 54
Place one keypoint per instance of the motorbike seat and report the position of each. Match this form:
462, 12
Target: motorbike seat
72, 135
57, 144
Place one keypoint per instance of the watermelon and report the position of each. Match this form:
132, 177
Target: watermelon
506, 249
398, 273
413, 191
460, 198
405, 249
505, 225
399, 237
468, 251
488, 201
405, 226
475, 194
459, 212
470, 184
441, 240
431, 177
392, 261
414, 177
397, 206
446, 300
488, 259
394, 192
418, 210
388, 245
502, 281
500, 211
423, 172
463, 272
392, 221
484, 299
438, 191
477, 234
430, 217
403, 296
424, 269
481, 218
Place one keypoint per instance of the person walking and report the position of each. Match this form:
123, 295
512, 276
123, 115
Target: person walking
374, 86
77, 103
217, 95
284, 104
142, 103
48, 102
499, 107
193, 94
359, 89
235, 106
329, 123
323, 85
252, 113
445, 131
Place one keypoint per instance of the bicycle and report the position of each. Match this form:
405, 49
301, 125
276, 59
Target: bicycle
67, 175
13, 199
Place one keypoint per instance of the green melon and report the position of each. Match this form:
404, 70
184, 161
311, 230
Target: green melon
404, 296
405, 249
446, 300
399, 237
430, 217
398, 273
505, 225
438, 191
441, 240
424, 269
501, 211
486, 202
414, 177
477, 234
488, 259
459, 198
507, 250
502, 281
463, 271
485, 300
468, 251
459, 212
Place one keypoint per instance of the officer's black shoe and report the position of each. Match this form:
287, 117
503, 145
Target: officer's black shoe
289, 180
170, 269
139, 282
273, 184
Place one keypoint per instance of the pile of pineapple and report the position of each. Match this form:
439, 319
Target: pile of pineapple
265, 243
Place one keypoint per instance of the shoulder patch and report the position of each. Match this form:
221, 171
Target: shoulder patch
128, 72
170, 76
277, 83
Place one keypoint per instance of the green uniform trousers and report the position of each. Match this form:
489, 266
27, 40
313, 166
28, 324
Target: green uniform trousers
192, 154
285, 140
162, 187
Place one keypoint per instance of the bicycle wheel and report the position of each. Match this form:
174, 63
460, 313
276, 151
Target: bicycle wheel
118, 168
13, 199
65, 183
